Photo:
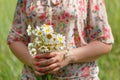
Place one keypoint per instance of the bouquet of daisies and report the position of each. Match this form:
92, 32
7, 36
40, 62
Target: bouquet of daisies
44, 40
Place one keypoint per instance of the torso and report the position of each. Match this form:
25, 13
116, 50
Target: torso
65, 20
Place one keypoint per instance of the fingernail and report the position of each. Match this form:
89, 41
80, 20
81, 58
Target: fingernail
40, 69
37, 57
46, 72
37, 64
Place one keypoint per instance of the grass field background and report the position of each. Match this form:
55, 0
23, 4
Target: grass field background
10, 66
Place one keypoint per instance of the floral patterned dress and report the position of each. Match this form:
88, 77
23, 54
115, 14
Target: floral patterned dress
81, 21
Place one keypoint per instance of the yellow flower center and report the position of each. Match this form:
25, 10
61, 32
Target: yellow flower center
47, 30
42, 47
56, 45
60, 39
39, 33
49, 36
61, 44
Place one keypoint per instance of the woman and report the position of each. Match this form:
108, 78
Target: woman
88, 36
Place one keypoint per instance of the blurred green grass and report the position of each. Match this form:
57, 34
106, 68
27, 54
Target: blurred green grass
10, 66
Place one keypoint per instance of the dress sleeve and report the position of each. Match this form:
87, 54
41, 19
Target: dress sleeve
18, 29
98, 27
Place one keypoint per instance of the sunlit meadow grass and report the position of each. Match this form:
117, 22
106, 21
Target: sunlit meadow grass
10, 66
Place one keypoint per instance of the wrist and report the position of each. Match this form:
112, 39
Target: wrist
68, 56
29, 61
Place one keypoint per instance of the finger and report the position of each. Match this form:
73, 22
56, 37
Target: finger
34, 68
49, 68
54, 70
38, 73
46, 62
45, 55
39, 60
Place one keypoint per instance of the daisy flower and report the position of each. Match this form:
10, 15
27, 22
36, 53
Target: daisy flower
37, 42
47, 29
49, 38
33, 52
37, 31
43, 49
30, 46
60, 38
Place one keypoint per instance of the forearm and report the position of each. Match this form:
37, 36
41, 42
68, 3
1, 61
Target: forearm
89, 52
21, 52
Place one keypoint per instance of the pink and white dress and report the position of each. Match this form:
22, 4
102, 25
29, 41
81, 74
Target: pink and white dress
81, 21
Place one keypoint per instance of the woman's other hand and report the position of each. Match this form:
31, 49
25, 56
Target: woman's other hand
51, 62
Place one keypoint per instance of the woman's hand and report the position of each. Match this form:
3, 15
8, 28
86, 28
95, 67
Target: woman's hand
51, 62
34, 62
34, 66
